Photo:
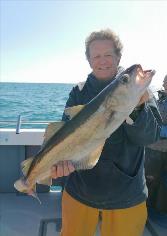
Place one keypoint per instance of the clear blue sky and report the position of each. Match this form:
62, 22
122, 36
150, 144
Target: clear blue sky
43, 40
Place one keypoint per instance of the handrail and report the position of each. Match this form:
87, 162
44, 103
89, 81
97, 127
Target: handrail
18, 124
26, 121
21, 121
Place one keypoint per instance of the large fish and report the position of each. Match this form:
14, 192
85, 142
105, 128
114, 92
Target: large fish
81, 139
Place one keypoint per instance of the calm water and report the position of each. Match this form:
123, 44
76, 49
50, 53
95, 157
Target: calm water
34, 102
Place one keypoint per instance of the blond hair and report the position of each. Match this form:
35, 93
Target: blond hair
106, 34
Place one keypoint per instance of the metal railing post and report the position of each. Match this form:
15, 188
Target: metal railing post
18, 124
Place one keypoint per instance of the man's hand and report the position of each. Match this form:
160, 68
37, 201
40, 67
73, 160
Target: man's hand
63, 168
144, 98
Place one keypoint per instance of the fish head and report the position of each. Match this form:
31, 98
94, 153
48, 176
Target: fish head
137, 79
129, 87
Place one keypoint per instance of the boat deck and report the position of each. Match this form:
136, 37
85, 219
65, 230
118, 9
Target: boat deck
22, 215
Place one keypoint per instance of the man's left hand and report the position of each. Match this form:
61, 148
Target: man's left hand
144, 98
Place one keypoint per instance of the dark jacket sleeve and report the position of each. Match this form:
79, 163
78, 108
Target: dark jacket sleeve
146, 127
72, 101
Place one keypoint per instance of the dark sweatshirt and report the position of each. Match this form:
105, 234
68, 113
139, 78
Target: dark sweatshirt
118, 180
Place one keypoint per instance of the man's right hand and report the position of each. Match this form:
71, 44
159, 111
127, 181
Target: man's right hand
63, 168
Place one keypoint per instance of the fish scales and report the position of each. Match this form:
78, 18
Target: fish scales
81, 139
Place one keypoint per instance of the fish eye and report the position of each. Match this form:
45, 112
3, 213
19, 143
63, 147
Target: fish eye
125, 78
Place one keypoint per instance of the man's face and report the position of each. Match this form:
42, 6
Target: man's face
103, 60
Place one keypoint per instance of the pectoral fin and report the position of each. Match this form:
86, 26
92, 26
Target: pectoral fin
73, 111
51, 130
88, 162
129, 121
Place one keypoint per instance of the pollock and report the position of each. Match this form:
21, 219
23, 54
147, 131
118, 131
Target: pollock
82, 138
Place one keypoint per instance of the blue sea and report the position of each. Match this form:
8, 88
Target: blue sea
34, 102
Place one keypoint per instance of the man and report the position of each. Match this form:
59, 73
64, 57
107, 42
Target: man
165, 84
162, 104
156, 165
163, 91
114, 192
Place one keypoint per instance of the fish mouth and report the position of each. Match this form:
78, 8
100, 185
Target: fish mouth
149, 72
139, 69
145, 74
141, 74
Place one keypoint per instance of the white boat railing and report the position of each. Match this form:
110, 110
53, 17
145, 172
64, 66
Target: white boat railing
20, 121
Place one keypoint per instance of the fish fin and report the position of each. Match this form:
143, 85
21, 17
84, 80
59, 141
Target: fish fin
73, 111
25, 165
89, 161
34, 194
21, 185
51, 129
46, 181
129, 121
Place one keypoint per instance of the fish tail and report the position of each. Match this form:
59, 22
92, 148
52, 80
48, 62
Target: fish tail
34, 194
21, 185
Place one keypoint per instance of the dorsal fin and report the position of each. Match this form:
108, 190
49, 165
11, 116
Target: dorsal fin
25, 165
51, 130
73, 111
